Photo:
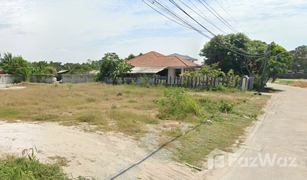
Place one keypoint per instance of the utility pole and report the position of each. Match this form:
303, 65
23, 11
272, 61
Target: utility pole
265, 61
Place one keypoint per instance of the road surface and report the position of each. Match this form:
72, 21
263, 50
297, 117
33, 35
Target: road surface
277, 147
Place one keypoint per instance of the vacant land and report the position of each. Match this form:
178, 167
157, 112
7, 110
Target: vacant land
293, 82
152, 116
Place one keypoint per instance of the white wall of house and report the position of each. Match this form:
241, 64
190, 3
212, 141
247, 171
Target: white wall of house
171, 72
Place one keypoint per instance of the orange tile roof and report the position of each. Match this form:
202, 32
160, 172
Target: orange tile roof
154, 59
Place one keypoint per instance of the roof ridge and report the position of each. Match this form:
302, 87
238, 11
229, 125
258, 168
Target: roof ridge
154, 53
181, 60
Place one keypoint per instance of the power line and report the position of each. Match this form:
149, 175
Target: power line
224, 44
176, 16
231, 17
217, 15
202, 16
165, 15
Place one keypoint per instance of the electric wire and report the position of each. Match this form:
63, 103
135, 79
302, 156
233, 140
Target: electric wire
232, 17
212, 11
176, 16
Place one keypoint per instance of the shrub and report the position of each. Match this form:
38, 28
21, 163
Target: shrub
177, 103
28, 167
225, 106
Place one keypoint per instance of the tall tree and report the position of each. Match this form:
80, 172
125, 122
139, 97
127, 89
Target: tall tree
299, 59
279, 62
217, 51
114, 67
16, 66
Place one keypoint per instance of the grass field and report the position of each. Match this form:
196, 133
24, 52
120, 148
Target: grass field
292, 82
132, 110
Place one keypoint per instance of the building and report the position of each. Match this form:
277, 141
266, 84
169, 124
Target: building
184, 57
155, 63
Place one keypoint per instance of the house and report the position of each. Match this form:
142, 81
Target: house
184, 57
155, 63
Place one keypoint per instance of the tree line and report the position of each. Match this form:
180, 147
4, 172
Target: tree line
19, 67
234, 54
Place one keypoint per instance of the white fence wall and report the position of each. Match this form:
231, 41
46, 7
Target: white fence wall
48, 79
6, 79
72, 78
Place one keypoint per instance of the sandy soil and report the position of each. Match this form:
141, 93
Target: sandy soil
99, 155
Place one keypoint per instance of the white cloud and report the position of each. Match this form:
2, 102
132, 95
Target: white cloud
76, 30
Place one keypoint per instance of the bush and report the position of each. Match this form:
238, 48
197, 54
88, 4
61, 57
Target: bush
177, 103
225, 106
28, 167
219, 87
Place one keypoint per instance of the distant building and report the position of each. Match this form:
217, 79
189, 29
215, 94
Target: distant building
155, 63
184, 57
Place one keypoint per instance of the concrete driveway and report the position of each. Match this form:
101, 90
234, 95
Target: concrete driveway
277, 147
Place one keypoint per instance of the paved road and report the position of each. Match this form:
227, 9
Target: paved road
282, 134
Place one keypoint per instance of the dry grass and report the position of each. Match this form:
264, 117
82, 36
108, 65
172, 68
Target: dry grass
129, 107
132, 110
293, 82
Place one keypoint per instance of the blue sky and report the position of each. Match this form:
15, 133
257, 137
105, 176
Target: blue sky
77, 30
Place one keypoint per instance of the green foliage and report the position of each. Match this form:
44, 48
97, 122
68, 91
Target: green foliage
212, 70
225, 106
299, 59
177, 103
219, 87
271, 61
145, 81
16, 66
113, 67
131, 56
46, 117
217, 50
279, 63
121, 69
9, 112
28, 167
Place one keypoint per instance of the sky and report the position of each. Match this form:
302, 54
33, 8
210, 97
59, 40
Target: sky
77, 30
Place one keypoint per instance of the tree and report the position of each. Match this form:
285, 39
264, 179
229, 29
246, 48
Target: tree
299, 59
113, 67
217, 51
122, 68
42, 68
212, 70
279, 62
131, 56
16, 66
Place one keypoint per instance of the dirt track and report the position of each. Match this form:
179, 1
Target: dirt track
98, 155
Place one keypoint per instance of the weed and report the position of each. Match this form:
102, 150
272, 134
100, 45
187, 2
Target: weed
91, 99
69, 87
225, 106
113, 106
132, 101
28, 167
46, 117
9, 112
177, 103
92, 117
119, 94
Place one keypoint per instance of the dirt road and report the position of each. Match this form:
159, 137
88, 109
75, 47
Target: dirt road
98, 155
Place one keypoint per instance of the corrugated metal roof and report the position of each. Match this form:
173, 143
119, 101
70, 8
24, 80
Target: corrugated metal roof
146, 70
